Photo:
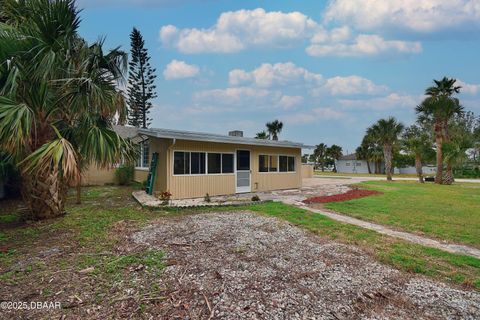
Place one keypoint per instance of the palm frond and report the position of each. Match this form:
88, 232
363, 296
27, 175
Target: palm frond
57, 154
16, 122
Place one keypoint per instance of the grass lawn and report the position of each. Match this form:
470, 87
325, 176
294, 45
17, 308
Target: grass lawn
93, 236
449, 213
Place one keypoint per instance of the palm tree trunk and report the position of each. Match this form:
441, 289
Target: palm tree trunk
439, 143
448, 177
368, 167
79, 190
387, 153
45, 195
418, 167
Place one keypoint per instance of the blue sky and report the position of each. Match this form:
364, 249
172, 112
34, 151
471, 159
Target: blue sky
327, 69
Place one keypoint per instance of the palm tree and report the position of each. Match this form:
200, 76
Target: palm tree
334, 152
386, 133
261, 135
372, 152
274, 128
321, 155
418, 143
362, 152
59, 95
438, 108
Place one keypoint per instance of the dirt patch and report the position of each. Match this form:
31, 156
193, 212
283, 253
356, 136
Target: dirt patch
349, 195
244, 266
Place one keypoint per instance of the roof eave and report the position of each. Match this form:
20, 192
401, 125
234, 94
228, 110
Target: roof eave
267, 143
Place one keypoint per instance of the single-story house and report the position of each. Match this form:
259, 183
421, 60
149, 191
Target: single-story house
428, 169
350, 164
192, 164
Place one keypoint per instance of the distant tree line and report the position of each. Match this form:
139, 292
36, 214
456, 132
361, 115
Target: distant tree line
324, 156
443, 133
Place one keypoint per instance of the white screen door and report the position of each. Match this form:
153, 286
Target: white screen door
243, 171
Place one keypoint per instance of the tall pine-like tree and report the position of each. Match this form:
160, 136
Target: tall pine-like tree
141, 78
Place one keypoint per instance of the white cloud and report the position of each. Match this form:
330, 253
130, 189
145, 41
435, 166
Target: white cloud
279, 74
361, 45
237, 30
289, 102
391, 101
291, 76
353, 85
247, 98
315, 115
239, 96
468, 88
180, 70
410, 15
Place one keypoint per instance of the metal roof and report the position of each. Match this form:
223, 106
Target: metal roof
351, 156
210, 137
125, 132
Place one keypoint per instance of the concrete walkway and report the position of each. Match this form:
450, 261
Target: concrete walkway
331, 185
424, 241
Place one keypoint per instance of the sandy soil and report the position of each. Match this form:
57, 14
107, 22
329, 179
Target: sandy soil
245, 266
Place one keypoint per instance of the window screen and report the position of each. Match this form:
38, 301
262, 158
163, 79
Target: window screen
287, 164
181, 162
283, 163
291, 164
262, 163
214, 163
197, 163
273, 164
227, 163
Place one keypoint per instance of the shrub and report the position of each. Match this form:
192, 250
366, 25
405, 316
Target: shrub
207, 198
165, 197
124, 174
255, 198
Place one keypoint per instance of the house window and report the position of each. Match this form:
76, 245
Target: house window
262, 163
194, 163
227, 163
220, 163
197, 162
181, 162
359, 164
287, 163
144, 158
347, 164
267, 163
214, 163
189, 162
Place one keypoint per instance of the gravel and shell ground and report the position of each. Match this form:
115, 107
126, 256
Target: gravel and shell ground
245, 266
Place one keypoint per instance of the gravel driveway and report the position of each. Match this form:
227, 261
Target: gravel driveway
245, 266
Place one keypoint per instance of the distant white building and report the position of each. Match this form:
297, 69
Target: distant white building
427, 170
350, 164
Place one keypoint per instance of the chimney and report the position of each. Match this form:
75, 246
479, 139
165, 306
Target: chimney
235, 133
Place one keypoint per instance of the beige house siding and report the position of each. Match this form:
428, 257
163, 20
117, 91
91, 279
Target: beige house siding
307, 171
140, 175
192, 186
94, 176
